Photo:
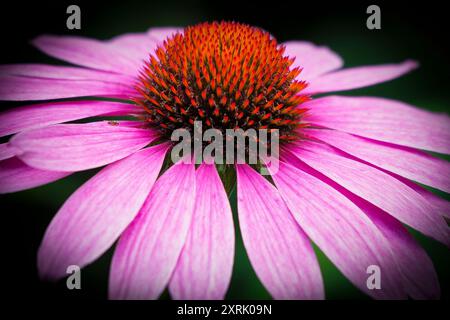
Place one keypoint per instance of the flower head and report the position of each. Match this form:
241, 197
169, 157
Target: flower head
226, 75
346, 180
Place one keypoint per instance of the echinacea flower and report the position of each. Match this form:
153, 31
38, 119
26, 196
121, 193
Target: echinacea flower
347, 179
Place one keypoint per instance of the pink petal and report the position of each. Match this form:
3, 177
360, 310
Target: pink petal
384, 120
75, 147
204, 267
407, 162
96, 214
441, 206
41, 115
377, 187
86, 52
340, 229
278, 249
62, 73
419, 277
353, 78
17, 88
137, 46
147, 252
314, 60
17, 176
6, 150
162, 33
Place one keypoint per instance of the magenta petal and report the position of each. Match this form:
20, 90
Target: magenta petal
96, 214
17, 176
75, 147
6, 151
137, 46
147, 252
204, 267
341, 230
407, 162
62, 73
87, 52
420, 278
313, 60
395, 164
384, 120
377, 187
17, 88
358, 77
277, 247
442, 206
41, 115
162, 33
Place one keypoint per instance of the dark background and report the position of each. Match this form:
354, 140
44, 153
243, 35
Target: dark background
409, 30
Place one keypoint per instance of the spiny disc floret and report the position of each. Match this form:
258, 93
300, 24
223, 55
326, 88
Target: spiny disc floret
226, 75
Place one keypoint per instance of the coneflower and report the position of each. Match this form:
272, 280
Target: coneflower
346, 178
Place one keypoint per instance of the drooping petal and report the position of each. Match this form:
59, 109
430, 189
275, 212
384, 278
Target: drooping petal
278, 249
147, 252
384, 120
6, 151
420, 279
377, 187
358, 77
62, 73
441, 206
42, 115
137, 46
340, 229
86, 52
17, 176
17, 88
162, 33
204, 267
314, 60
407, 162
75, 147
97, 213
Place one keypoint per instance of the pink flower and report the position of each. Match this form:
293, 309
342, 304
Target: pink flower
346, 179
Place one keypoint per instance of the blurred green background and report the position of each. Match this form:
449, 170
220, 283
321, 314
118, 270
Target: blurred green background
408, 31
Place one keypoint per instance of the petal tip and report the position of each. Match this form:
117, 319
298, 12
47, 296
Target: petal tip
411, 64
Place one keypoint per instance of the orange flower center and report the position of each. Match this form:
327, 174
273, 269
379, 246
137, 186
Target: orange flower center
226, 75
